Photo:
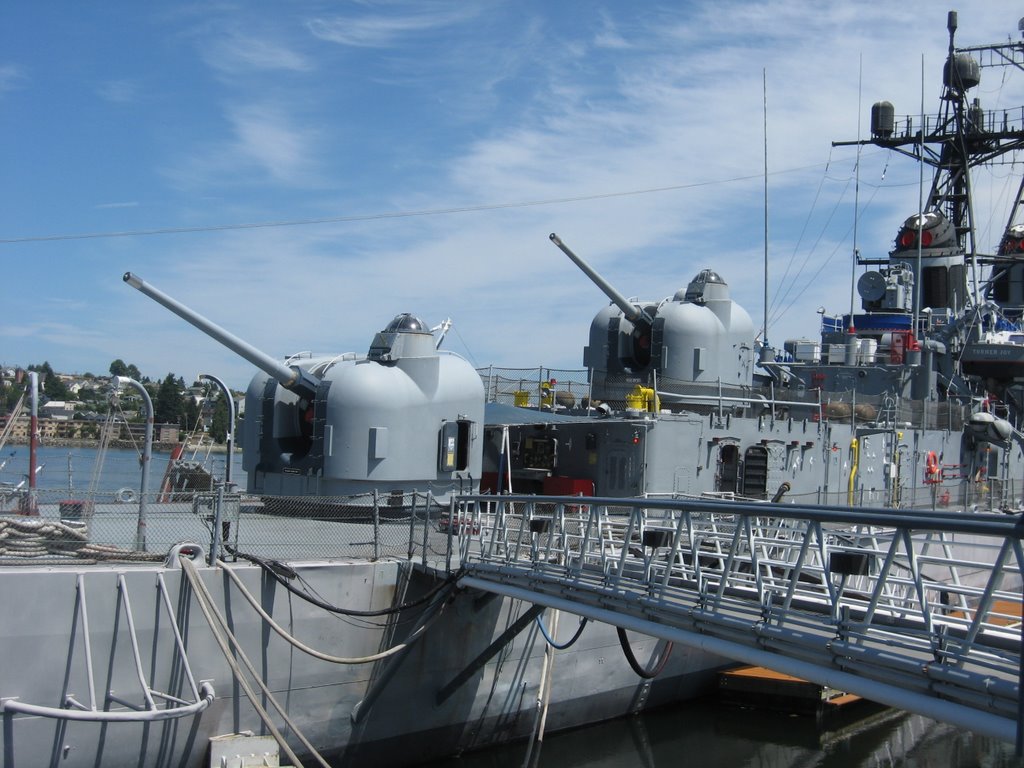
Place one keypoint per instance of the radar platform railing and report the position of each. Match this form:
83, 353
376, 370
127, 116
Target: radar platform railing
917, 610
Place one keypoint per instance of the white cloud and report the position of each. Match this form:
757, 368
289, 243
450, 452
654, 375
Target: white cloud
12, 77
380, 31
265, 145
119, 91
234, 52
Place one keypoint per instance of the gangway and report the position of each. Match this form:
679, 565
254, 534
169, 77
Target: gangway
919, 610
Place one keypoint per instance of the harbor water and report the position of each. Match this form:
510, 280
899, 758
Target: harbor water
706, 734
71, 469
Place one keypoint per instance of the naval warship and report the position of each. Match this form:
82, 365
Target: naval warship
128, 643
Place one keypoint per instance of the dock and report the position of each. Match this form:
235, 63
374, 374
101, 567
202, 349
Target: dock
752, 686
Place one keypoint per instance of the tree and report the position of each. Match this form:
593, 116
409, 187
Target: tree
53, 387
193, 412
11, 395
120, 368
168, 405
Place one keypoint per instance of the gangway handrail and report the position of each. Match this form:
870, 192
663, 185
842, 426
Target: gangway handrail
203, 693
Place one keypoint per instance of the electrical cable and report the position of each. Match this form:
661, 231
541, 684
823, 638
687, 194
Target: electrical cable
293, 641
635, 665
279, 571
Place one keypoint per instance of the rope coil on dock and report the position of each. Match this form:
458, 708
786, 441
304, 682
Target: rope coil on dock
26, 538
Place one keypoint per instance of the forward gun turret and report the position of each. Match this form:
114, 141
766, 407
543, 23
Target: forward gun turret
293, 378
402, 419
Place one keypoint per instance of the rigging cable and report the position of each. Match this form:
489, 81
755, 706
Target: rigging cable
225, 639
388, 215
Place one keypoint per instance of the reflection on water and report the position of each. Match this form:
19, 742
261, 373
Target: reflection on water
708, 735
71, 469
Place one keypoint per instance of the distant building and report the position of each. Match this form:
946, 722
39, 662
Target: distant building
58, 410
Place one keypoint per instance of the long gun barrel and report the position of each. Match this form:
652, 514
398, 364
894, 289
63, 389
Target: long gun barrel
631, 311
292, 378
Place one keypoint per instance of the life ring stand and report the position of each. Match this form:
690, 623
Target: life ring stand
126, 495
932, 469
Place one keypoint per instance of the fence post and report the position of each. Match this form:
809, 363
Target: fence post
412, 525
218, 507
427, 504
451, 528
376, 525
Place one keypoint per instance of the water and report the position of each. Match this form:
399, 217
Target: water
711, 735
70, 470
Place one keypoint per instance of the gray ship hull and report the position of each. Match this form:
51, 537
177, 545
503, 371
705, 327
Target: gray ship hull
45, 649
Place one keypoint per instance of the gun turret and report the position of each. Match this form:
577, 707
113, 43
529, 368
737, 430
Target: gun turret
291, 378
632, 312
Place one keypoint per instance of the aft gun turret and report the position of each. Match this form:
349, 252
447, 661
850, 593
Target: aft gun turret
292, 378
694, 341
630, 311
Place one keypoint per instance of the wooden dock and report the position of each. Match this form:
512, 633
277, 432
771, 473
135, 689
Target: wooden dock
760, 687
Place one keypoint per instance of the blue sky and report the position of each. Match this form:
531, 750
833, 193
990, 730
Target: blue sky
436, 145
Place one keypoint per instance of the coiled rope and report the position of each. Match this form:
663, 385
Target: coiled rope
22, 537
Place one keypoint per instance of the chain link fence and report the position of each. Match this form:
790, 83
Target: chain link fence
43, 526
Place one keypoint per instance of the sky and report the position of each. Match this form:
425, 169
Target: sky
300, 172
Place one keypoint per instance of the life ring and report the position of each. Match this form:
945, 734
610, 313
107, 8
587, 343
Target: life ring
125, 495
932, 470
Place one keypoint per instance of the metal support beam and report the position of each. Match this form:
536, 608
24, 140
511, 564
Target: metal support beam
891, 695
506, 637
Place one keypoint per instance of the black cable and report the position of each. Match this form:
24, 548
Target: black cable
624, 642
281, 572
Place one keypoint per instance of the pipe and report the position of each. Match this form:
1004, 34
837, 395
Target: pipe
31, 507
147, 455
292, 378
107, 716
231, 423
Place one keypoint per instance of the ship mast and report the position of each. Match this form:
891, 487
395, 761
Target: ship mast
957, 139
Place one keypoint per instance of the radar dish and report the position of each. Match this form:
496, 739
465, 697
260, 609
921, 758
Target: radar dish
871, 286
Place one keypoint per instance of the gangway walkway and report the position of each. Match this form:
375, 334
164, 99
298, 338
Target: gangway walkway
919, 610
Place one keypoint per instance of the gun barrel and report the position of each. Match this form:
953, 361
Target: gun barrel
630, 310
291, 378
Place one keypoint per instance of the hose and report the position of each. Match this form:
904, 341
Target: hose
550, 640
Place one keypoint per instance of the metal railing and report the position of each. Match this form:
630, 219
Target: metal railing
918, 610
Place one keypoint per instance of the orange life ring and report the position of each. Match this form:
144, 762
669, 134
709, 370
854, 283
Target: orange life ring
932, 470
